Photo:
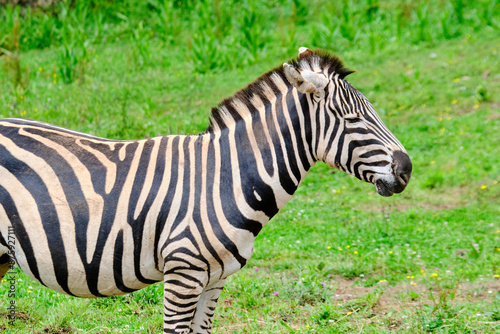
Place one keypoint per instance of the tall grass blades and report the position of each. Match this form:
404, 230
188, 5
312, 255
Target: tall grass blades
68, 60
491, 14
372, 7
449, 29
349, 27
288, 35
422, 24
15, 72
256, 26
165, 20
253, 32
205, 52
73, 60
140, 52
300, 9
208, 42
459, 6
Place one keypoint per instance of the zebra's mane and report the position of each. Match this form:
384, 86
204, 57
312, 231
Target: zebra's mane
318, 60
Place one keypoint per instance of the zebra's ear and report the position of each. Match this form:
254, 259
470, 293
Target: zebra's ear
303, 52
304, 80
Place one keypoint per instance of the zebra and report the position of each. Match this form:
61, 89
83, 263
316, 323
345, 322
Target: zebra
94, 217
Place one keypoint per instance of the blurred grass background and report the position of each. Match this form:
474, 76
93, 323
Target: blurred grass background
338, 258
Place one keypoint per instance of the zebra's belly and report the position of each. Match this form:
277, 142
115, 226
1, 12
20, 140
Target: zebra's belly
68, 261
104, 278
77, 254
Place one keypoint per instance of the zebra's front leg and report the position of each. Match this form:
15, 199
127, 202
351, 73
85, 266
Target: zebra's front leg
182, 292
202, 321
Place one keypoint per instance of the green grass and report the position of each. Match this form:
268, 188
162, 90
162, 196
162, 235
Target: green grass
341, 258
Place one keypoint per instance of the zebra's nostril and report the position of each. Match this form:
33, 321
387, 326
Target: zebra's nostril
402, 167
404, 177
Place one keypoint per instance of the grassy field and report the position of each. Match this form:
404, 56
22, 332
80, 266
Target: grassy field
338, 258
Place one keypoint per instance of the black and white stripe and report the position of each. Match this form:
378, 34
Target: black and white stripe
95, 217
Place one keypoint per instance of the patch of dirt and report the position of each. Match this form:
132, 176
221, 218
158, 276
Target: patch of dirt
431, 200
477, 292
64, 330
347, 291
19, 316
403, 296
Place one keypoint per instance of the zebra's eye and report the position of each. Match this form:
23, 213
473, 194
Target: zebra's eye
352, 119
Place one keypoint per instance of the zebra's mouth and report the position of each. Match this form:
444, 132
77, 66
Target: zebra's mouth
383, 189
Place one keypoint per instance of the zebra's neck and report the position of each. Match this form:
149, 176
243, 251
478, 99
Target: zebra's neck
262, 151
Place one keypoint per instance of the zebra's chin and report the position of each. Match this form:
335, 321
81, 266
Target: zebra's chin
383, 189
388, 186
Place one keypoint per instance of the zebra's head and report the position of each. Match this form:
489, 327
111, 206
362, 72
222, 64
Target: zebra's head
347, 132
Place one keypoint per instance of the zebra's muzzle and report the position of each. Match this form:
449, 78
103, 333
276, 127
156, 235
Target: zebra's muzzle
401, 168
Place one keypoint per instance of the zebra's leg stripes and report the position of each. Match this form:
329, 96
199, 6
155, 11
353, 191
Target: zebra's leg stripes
182, 291
202, 321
